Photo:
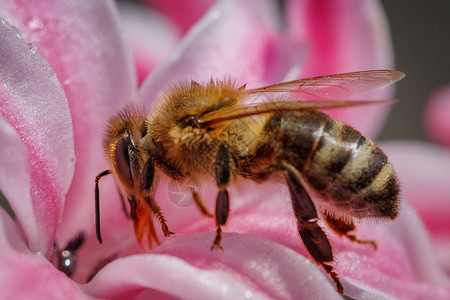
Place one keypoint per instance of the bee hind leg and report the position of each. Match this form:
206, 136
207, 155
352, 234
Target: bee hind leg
343, 227
222, 169
313, 237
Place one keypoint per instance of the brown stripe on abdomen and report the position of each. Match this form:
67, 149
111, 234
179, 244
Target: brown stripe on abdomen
332, 154
382, 194
298, 134
366, 163
367, 184
352, 173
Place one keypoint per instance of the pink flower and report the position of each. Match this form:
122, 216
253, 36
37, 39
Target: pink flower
56, 96
424, 168
185, 13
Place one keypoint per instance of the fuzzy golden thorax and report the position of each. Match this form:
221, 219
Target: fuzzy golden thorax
186, 147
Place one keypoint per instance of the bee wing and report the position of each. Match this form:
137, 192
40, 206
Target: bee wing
336, 86
249, 110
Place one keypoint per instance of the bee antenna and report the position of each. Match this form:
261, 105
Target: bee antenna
97, 204
76, 242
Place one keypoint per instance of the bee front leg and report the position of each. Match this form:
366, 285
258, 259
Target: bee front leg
314, 239
222, 169
148, 174
143, 224
157, 211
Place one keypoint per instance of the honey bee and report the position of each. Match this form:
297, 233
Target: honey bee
211, 132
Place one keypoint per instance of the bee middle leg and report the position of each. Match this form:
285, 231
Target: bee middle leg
222, 169
343, 227
200, 205
157, 211
314, 239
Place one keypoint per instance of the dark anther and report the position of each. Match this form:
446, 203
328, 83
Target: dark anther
66, 259
76, 242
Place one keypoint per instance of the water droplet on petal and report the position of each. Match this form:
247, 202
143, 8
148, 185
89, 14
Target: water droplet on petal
35, 23
14, 28
215, 14
32, 48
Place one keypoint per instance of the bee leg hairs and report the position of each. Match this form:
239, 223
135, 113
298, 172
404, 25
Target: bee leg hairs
343, 227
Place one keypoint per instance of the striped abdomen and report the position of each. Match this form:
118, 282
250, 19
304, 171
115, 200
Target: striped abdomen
344, 169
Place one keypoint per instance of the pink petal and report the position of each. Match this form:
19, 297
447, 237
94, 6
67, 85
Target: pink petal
234, 39
343, 37
185, 12
436, 116
403, 262
14, 157
34, 104
25, 275
403, 266
97, 72
424, 170
248, 267
11, 238
152, 37
28, 277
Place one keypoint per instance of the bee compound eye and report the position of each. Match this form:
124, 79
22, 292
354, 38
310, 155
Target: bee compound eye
122, 158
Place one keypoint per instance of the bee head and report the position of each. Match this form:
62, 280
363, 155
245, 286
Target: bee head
122, 146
